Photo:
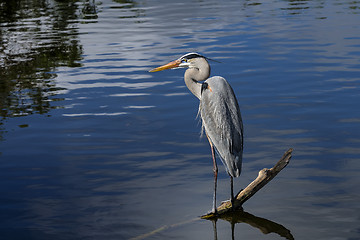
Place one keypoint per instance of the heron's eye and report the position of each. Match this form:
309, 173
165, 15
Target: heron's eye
184, 60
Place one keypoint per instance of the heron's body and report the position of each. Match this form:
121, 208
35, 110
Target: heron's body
221, 118
219, 111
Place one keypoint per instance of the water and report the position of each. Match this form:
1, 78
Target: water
95, 147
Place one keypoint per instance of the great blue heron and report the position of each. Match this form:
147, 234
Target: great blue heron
219, 111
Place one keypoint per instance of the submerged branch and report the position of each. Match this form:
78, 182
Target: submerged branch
265, 175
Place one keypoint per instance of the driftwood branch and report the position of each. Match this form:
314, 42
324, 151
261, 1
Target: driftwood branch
265, 175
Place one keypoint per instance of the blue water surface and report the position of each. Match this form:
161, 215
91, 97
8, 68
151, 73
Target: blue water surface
93, 146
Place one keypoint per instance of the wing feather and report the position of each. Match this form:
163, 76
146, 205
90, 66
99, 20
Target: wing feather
221, 119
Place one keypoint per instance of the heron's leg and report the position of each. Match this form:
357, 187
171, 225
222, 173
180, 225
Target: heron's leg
215, 169
214, 227
232, 192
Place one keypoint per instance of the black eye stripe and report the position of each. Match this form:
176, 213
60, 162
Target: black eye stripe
191, 55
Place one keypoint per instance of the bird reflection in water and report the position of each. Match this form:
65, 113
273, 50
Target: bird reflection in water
234, 217
264, 225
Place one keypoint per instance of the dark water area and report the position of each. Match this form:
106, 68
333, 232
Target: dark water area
93, 146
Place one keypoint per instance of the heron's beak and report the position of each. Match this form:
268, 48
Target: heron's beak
173, 64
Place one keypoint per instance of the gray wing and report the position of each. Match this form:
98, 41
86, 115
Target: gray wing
221, 119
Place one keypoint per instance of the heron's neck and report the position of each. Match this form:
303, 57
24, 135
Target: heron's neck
192, 78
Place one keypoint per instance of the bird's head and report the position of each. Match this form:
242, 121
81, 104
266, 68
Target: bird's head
189, 60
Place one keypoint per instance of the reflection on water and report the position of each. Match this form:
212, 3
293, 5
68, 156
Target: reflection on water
36, 37
237, 217
264, 225
93, 146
